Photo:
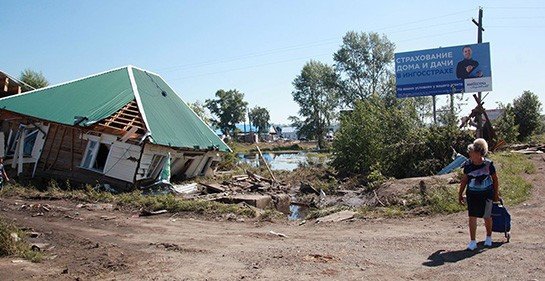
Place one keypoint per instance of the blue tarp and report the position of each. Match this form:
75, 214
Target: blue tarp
457, 163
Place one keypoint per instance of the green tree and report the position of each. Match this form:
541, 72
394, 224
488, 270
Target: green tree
527, 110
200, 110
363, 63
229, 108
316, 93
33, 78
375, 134
505, 125
260, 118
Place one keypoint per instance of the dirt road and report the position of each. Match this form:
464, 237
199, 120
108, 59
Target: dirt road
112, 245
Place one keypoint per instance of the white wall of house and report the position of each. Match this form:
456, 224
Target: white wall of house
198, 163
122, 161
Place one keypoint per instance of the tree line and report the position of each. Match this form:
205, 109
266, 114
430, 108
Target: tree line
229, 108
379, 134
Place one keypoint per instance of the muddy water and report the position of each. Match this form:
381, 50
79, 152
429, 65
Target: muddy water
277, 161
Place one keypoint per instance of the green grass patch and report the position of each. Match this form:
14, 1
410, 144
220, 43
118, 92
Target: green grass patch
134, 199
514, 189
12, 243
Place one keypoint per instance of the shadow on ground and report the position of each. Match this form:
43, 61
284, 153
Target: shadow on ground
441, 257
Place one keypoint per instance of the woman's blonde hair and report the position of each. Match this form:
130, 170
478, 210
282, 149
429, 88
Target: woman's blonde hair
479, 145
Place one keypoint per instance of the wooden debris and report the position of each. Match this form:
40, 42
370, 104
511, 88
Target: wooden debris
213, 188
145, 213
266, 164
337, 217
308, 188
278, 234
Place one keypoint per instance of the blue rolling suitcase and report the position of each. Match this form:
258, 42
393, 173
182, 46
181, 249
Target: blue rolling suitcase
501, 219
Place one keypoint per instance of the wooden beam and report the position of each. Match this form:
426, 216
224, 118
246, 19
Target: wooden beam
72, 150
59, 150
50, 147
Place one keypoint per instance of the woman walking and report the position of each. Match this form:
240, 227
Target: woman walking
481, 181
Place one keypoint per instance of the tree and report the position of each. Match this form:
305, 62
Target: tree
505, 126
198, 108
229, 108
316, 93
527, 110
33, 78
260, 118
363, 64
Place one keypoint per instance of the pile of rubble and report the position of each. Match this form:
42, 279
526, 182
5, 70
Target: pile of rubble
252, 189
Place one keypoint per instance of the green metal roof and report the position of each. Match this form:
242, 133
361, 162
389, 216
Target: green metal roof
168, 118
95, 97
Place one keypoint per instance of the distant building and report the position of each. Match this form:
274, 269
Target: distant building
11, 86
288, 132
494, 114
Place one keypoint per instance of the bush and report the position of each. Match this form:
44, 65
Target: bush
393, 138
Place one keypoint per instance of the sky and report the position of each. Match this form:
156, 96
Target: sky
259, 47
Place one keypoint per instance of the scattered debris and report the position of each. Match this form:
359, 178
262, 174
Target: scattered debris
34, 234
176, 248
96, 207
145, 213
255, 200
278, 234
213, 188
337, 217
308, 188
533, 150
107, 218
319, 258
40, 247
186, 188
14, 237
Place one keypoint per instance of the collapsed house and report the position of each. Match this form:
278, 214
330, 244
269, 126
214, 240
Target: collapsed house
117, 127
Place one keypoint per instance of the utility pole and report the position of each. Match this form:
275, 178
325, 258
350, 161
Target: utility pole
480, 30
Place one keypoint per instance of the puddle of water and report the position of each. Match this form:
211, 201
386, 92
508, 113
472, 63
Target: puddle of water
282, 161
297, 212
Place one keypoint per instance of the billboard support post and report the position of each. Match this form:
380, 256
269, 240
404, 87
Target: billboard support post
434, 111
480, 30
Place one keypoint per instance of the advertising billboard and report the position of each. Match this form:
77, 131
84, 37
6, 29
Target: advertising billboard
441, 71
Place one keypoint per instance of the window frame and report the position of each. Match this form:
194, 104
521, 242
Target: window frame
94, 152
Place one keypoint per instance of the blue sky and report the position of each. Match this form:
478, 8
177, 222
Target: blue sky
259, 47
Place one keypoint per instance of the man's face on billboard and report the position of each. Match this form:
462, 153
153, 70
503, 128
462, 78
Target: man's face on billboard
467, 53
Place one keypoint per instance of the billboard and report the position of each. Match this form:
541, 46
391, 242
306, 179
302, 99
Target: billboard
441, 71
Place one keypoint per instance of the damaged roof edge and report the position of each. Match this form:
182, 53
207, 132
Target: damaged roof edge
195, 114
64, 83
137, 98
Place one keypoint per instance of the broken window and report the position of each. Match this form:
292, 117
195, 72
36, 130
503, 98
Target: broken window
29, 140
95, 156
156, 165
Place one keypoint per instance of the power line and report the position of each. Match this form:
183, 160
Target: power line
250, 66
323, 42
516, 8
436, 35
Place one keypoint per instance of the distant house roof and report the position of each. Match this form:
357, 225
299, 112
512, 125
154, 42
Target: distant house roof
10, 85
494, 114
288, 130
246, 128
167, 118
